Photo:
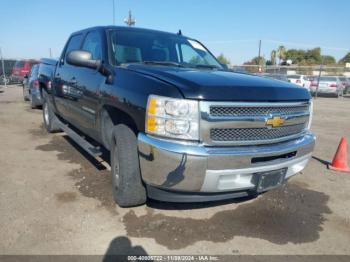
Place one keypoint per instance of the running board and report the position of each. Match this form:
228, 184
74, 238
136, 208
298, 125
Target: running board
89, 148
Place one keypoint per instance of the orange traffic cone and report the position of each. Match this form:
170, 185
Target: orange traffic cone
340, 160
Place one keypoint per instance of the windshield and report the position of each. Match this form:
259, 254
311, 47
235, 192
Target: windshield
159, 48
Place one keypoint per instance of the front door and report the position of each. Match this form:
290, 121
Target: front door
89, 82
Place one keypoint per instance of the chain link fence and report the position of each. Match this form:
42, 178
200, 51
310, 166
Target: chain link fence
5, 72
294, 70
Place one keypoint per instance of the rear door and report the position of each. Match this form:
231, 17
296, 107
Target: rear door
89, 82
64, 86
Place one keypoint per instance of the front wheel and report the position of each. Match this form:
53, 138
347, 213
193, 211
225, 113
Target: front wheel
128, 189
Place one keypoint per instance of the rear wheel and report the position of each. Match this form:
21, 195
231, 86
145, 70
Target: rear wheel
128, 189
25, 98
49, 117
32, 104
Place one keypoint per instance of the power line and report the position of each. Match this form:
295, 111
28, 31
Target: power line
278, 42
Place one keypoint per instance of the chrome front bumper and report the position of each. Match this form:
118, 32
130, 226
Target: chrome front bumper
189, 167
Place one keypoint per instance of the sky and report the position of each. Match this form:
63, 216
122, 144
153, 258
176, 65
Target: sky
29, 28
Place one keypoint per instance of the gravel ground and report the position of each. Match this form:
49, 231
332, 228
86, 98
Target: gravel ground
54, 199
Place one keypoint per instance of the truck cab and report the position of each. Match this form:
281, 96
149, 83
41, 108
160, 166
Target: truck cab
179, 126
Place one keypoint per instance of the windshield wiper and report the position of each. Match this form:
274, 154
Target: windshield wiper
165, 63
206, 66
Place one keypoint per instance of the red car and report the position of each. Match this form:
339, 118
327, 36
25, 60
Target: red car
21, 69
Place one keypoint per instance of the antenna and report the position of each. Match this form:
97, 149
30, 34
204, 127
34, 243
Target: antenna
130, 21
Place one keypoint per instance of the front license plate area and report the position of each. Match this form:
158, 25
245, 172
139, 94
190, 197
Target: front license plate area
271, 179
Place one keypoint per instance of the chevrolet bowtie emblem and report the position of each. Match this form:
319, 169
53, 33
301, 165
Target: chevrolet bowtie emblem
276, 121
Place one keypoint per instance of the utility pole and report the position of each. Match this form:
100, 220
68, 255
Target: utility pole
3, 69
113, 12
319, 75
130, 21
50, 52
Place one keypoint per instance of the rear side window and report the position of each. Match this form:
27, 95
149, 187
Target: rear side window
92, 44
74, 43
329, 79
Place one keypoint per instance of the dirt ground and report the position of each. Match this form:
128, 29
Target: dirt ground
56, 200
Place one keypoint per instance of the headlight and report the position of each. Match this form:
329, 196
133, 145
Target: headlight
170, 117
311, 110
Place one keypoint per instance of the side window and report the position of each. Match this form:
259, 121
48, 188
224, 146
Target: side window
74, 43
92, 44
189, 55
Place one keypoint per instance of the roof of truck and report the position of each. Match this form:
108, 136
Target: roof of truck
128, 28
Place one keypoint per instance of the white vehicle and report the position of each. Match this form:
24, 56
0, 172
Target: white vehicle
299, 80
330, 85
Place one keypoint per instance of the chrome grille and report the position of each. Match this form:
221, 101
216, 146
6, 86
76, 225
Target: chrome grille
254, 134
244, 123
227, 111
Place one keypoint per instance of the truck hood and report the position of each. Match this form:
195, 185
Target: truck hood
223, 85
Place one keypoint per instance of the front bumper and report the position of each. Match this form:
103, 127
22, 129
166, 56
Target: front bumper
215, 172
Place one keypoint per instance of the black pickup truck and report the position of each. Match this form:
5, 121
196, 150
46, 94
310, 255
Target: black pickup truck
178, 125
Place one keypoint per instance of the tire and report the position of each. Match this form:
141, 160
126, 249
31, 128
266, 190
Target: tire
128, 189
32, 104
25, 98
49, 118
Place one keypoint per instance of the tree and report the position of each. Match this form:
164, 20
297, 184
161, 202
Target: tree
281, 53
273, 57
313, 56
328, 60
345, 59
223, 60
256, 61
296, 55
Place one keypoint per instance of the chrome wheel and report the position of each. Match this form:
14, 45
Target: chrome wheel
115, 167
46, 114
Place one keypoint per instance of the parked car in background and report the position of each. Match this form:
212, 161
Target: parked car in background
328, 85
346, 83
31, 88
299, 80
21, 69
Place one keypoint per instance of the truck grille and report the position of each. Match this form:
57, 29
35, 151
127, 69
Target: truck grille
230, 123
254, 134
227, 111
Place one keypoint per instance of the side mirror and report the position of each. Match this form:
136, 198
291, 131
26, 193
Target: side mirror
83, 59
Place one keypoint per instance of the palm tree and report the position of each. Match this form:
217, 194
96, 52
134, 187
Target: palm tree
281, 53
273, 57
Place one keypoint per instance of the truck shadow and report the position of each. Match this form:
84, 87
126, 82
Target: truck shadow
91, 179
290, 214
122, 246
